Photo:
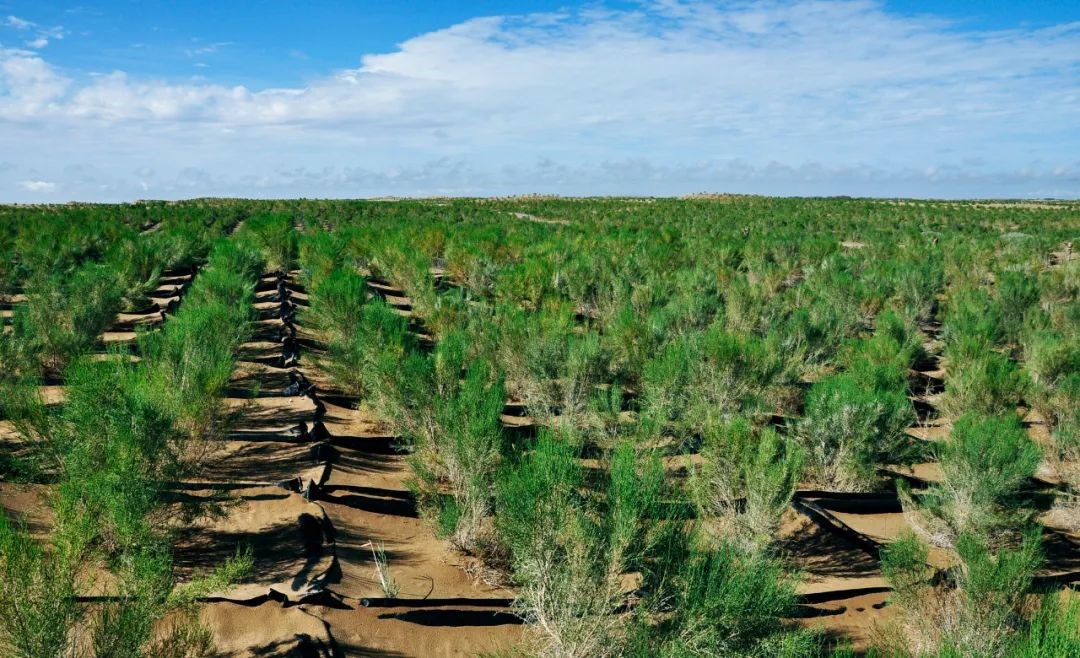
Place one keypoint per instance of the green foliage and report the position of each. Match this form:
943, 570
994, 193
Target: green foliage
276, 237
727, 603
988, 384
363, 359
1052, 632
64, 316
1014, 294
335, 303
703, 379
850, 426
985, 464
569, 550
745, 483
449, 412
37, 606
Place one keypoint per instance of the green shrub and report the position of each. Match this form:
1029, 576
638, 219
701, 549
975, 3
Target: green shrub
363, 361
137, 263
704, 379
849, 428
972, 314
63, 317
987, 384
549, 366
1052, 632
985, 464
977, 611
745, 483
453, 423
568, 550
276, 237
725, 602
38, 612
1014, 295
335, 303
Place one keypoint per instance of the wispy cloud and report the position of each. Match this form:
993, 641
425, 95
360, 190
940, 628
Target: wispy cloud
18, 23
37, 186
208, 49
43, 34
808, 95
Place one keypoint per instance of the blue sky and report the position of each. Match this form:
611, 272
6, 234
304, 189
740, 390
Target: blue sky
123, 100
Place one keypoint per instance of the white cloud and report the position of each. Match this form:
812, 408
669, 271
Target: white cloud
789, 90
39, 42
37, 186
208, 49
18, 23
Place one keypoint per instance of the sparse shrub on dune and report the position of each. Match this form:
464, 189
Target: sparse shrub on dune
276, 237
191, 359
138, 265
985, 463
448, 409
551, 368
335, 301
1015, 293
987, 383
569, 550
362, 359
849, 428
744, 483
724, 602
982, 606
38, 611
699, 380
64, 316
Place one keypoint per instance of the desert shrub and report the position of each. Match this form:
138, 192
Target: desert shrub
276, 237
64, 316
568, 550
916, 284
987, 384
193, 359
985, 464
38, 611
190, 361
698, 380
883, 359
1053, 631
745, 483
321, 254
972, 314
362, 361
977, 610
137, 263
850, 427
810, 337
725, 602
1050, 356
116, 443
549, 366
335, 302
1014, 294
450, 412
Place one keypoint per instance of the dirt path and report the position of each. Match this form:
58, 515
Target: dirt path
312, 508
166, 299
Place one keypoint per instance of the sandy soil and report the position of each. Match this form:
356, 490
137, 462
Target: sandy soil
319, 571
